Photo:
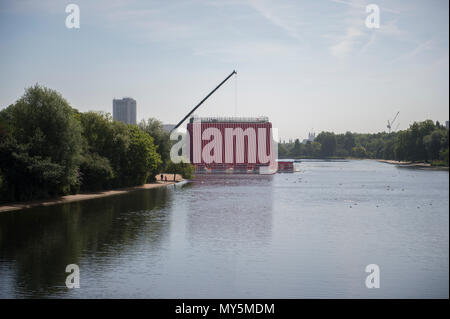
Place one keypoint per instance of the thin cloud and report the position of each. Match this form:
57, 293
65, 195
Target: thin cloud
268, 13
357, 35
425, 46
348, 42
389, 29
363, 6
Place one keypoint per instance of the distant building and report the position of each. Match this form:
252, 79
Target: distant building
311, 137
446, 125
124, 110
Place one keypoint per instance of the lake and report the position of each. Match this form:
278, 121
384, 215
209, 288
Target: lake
308, 234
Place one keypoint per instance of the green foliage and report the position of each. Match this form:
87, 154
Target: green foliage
186, 170
40, 146
283, 151
27, 176
328, 143
49, 149
161, 138
349, 142
422, 141
129, 150
297, 151
141, 157
444, 156
96, 172
359, 152
315, 148
434, 142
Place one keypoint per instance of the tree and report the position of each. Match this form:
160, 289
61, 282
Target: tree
419, 142
388, 150
96, 172
126, 149
282, 150
297, 150
403, 145
444, 156
161, 138
359, 151
99, 132
41, 148
349, 142
102, 149
186, 170
142, 160
328, 142
432, 143
316, 149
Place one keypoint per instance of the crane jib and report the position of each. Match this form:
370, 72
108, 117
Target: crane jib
204, 99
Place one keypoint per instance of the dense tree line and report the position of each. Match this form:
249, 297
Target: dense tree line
48, 148
422, 141
162, 141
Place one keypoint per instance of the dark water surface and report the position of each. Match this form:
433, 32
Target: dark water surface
307, 234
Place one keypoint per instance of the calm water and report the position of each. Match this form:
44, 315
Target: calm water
307, 234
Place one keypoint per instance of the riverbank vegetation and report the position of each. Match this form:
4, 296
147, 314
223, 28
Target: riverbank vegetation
48, 149
422, 142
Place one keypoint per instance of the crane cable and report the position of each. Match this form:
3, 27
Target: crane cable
235, 96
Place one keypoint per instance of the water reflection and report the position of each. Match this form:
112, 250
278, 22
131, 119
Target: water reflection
308, 234
37, 244
231, 210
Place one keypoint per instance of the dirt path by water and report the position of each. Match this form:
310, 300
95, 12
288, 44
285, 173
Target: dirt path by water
86, 196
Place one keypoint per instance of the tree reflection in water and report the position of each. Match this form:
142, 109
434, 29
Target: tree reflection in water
36, 244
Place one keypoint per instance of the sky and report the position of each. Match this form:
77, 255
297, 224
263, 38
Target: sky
307, 65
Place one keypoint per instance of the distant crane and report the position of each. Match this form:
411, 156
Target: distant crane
391, 123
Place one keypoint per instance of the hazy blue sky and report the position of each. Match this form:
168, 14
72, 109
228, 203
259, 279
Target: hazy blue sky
305, 64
